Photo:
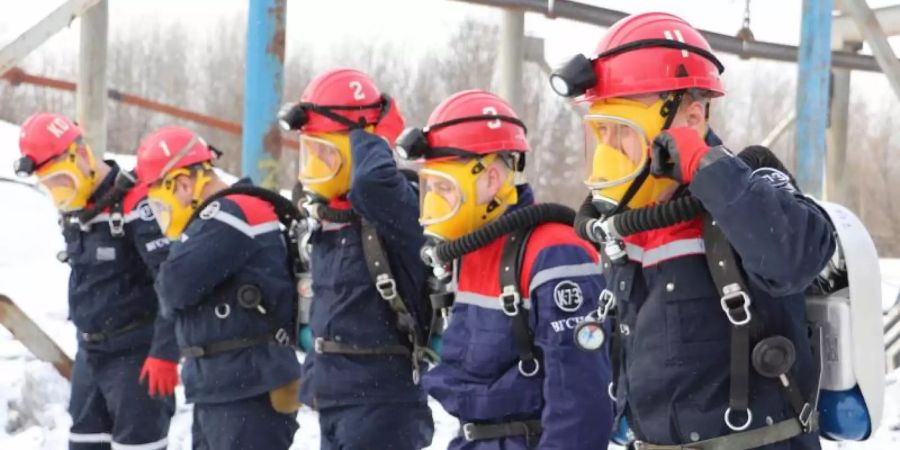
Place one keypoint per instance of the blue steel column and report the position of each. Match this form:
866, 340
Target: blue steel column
263, 81
814, 62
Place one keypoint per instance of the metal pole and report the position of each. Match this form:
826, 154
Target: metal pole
836, 157
90, 102
263, 82
814, 64
512, 53
881, 49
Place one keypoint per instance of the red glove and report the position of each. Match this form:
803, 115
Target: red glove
162, 376
677, 153
391, 125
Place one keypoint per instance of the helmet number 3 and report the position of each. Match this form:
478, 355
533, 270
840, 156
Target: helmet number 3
491, 111
358, 93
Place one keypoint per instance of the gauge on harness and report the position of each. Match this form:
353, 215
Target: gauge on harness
589, 335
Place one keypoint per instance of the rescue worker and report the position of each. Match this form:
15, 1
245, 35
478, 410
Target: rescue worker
510, 370
715, 347
228, 284
362, 374
114, 248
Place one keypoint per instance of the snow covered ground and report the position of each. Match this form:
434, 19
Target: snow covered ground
33, 397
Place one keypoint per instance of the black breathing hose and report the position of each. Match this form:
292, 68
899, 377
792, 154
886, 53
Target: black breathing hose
334, 215
679, 210
523, 218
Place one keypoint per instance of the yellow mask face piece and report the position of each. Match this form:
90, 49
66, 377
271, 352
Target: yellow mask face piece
171, 215
618, 133
66, 184
448, 192
325, 164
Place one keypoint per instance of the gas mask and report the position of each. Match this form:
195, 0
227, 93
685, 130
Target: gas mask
171, 215
448, 192
325, 164
618, 133
65, 182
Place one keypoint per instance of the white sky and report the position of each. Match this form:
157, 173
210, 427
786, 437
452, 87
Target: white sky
417, 26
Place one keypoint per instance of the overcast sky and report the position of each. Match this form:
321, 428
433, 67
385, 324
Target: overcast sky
417, 26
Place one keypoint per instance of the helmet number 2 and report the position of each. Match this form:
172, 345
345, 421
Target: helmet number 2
358, 93
491, 111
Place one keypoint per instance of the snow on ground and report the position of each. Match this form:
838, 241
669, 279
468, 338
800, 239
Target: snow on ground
34, 398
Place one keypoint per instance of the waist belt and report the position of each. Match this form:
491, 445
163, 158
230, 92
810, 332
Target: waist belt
744, 440
322, 346
531, 429
103, 336
279, 337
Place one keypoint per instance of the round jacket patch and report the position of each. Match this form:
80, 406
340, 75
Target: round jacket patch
146, 212
567, 295
775, 177
210, 211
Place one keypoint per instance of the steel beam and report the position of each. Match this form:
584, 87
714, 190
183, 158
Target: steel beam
27, 42
836, 157
844, 28
871, 31
90, 95
263, 86
603, 17
814, 65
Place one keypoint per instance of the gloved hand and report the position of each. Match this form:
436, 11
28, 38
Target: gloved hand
161, 375
676, 154
391, 125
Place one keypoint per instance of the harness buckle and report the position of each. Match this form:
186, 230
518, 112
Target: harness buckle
741, 427
533, 371
282, 337
468, 430
510, 301
736, 304
116, 224
386, 286
805, 417
607, 302
318, 345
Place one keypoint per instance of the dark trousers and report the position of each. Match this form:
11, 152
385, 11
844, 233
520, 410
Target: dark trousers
392, 426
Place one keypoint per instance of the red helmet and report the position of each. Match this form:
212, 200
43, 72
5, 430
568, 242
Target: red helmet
343, 99
642, 54
469, 122
45, 136
167, 149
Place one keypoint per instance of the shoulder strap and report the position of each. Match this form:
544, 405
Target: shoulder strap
735, 302
380, 272
511, 261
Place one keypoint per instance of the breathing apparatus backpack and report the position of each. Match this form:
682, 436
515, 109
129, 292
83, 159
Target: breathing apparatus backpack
843, 311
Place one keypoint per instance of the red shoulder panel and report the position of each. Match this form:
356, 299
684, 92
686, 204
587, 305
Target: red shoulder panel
133, 197
256, 210
549, 235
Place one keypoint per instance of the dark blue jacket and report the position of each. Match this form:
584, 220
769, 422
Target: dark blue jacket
346, 307
236, 241
674, 383
478, 379
111, 283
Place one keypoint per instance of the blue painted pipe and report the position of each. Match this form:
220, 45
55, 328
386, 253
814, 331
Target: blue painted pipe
263, 85
814, 68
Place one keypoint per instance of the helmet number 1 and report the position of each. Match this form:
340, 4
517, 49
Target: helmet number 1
491, 111
358, 93
165, 148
